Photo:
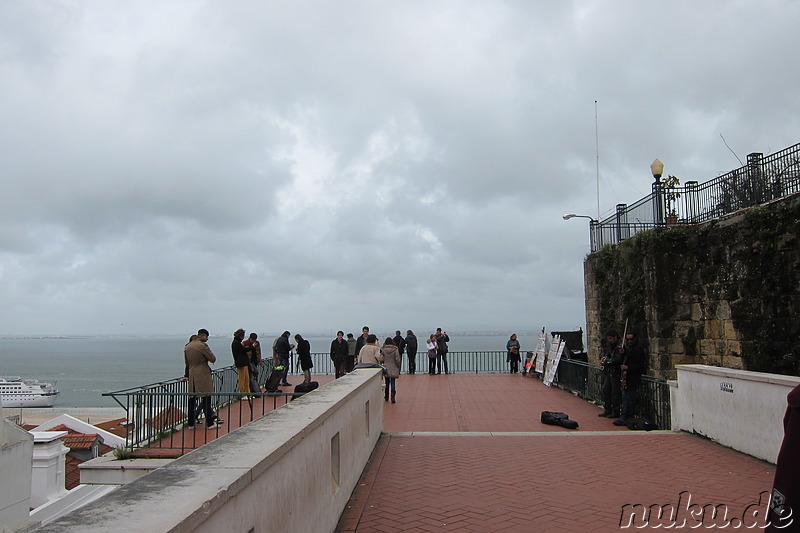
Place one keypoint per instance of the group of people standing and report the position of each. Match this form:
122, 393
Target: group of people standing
345, 354
367, 351
623, 363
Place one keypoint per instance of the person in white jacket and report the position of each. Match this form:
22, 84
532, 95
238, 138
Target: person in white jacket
370, 353
432, 346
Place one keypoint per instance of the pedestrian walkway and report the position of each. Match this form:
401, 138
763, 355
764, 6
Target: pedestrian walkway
465, 452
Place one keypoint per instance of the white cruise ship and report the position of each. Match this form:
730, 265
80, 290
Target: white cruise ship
17, 392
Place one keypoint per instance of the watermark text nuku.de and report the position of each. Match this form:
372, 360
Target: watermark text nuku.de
685, 514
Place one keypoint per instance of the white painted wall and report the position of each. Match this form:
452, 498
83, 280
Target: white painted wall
736, 408
47, 477
274, 474
16, 450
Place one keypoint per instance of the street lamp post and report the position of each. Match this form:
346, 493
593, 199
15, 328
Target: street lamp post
657, 168
592, 227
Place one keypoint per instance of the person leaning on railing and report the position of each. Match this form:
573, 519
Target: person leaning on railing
241, 360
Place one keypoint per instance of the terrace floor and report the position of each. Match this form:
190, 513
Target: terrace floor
467, 452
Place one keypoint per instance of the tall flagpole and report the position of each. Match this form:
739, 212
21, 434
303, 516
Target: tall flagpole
597, 158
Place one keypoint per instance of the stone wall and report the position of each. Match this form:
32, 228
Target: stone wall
723, 293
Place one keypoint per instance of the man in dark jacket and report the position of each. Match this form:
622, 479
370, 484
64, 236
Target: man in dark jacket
339, 354
612, 358
411, 350
400, 342
441, 350
351, 352
632, 366
282, 352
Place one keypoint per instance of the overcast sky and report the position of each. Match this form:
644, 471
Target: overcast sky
321, 165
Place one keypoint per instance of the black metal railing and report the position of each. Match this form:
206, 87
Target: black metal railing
586, 380
761, 180
157, 413
457, 362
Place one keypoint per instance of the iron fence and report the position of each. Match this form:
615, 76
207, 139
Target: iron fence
457, 362
157, 413
586, 380
761, 180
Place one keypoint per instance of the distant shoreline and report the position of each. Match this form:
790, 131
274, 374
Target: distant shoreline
471, 333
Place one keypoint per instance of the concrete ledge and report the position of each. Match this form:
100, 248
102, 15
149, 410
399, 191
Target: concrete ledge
107, 470
292, 470
736, 408
756, 377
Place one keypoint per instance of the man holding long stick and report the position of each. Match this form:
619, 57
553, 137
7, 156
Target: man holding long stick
611, 360
634, 361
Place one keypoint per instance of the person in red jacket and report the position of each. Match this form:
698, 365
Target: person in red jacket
785, 502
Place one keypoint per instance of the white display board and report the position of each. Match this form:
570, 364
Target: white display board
553, 358
541, 352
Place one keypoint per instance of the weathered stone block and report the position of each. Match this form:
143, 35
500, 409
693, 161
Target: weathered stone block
731, 361
712, 330
683, 360
708, 347
729, 330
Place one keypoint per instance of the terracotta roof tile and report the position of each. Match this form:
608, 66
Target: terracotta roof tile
72, 474
115, 426
80, 441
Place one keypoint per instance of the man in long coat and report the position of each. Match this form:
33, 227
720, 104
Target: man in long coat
198, 355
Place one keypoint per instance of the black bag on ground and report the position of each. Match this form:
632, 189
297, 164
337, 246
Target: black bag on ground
306, 387
556, 418
569, 424
553, 418
275, 379
641, 424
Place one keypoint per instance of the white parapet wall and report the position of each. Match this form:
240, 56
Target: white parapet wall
16, 450
736, 408
290, 471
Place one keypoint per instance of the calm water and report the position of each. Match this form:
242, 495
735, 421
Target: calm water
86, 367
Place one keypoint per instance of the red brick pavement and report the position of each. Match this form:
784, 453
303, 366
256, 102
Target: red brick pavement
520, 475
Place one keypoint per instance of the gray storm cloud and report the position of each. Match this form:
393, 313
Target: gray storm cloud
313, 165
